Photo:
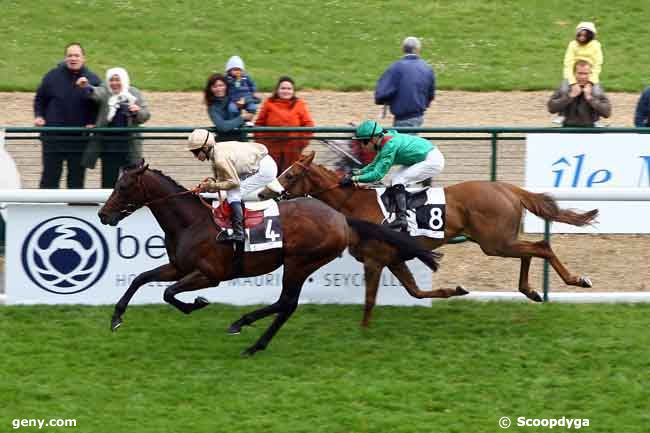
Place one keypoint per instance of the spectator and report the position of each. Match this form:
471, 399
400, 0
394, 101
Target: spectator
583, 47
241, 87
642, 114
59, 102
120, 105
284, 108
408, 86
580, 106
227, 124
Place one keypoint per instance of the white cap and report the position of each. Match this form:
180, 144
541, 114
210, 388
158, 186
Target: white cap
199, 138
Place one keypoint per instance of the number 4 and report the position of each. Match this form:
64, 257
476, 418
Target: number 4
269, 233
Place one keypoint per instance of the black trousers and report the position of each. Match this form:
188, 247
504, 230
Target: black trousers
55, 152
114, 156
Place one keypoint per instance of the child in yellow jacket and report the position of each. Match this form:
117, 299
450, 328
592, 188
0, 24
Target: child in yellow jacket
584, 47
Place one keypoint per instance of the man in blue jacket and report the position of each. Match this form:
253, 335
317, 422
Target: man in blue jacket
60, 102
407, 86
642, 113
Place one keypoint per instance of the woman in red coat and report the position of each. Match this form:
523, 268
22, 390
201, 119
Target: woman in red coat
283, 108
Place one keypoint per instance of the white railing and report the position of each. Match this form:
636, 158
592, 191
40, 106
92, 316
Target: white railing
560, 194
596, 194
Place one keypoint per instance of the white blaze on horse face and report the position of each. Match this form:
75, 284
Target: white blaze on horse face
275, 186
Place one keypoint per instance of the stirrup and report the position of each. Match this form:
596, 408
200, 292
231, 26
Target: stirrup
224, 237
400, 224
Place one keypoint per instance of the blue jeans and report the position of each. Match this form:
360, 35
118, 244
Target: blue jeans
250, 106
411, 122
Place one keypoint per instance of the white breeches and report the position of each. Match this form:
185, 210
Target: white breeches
249, 187
431, 166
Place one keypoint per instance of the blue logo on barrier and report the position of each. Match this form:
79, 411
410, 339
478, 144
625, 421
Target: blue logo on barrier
65, 255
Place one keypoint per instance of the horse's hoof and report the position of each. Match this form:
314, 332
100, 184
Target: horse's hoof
234, 329
250, 352
585, 282
534, 296
461, 291
200, 302
116, 322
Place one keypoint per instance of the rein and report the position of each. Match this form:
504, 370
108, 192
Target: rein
287, 195
130, 207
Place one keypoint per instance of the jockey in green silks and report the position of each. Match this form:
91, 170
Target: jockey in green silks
421, 160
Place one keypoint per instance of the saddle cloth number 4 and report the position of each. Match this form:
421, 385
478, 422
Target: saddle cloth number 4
267, 232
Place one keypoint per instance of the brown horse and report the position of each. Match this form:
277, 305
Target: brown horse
314, 234
487, 212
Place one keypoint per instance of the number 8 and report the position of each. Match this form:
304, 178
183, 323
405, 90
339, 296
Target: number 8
435, 222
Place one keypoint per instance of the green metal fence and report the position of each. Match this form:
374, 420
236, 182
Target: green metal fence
491, 139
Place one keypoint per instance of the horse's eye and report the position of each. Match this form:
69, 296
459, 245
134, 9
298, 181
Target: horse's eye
289, 176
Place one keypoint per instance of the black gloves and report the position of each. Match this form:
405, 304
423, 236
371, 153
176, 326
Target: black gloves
346, 180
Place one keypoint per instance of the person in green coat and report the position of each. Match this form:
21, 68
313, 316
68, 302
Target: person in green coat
421, 160
120, 105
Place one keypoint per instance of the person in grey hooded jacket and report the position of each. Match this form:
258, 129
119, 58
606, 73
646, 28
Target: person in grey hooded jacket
120, 105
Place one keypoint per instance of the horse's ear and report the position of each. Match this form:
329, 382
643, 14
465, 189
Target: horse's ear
308, 157
141, 170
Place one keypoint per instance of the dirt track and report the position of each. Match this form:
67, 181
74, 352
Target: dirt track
613, 262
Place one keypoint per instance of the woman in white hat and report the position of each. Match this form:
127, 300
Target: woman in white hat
240, 168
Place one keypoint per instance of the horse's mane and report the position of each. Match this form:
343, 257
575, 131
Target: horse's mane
140, 164
178, 186
326, 171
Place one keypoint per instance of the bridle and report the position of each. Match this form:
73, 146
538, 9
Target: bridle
286, 195
132, 207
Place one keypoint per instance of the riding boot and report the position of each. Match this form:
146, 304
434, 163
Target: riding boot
399, 195
237, 219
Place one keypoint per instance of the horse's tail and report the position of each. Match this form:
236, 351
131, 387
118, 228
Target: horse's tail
407, 246
545, 206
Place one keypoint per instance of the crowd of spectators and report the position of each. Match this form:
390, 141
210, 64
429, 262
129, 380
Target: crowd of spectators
71, 95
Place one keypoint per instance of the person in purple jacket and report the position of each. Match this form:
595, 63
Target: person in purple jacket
408, 86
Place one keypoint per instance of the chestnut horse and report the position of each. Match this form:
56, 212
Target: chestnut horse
314, 234
487, 212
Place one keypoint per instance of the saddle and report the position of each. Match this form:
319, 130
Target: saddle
413, 199
221, 216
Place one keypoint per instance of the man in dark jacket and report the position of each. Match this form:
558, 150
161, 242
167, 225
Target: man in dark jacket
408, 86
59, 102
642, 112
582, 105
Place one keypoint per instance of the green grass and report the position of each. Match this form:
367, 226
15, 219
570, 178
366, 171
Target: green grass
457, 367
331, 44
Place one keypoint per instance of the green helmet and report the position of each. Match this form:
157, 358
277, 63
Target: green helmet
367, 130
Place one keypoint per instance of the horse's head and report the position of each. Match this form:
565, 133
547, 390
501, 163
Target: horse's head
293, 182
128, 195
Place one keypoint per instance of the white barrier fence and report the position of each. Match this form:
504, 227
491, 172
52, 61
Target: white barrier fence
561, 194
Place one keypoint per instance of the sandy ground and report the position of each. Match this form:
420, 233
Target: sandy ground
451, 108
615, 262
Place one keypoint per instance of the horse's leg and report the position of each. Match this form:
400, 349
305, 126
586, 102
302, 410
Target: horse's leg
167, 272
543, 250
192, 281
372, 273
524, 286
404, 275
296, 271
253, 316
